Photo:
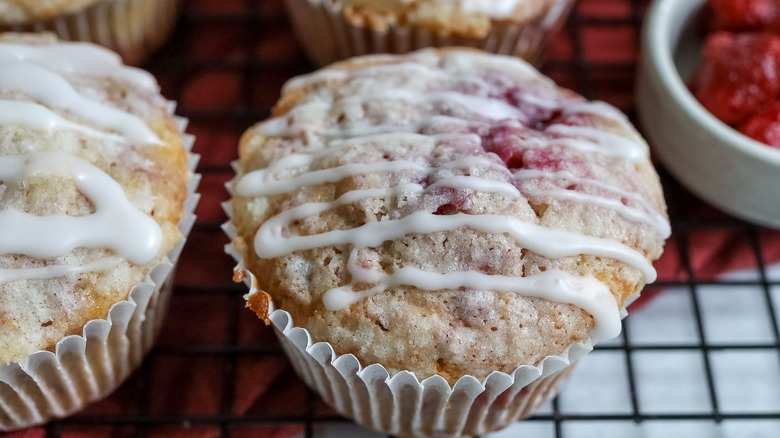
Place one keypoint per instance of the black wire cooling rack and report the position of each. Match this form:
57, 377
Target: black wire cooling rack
224, 66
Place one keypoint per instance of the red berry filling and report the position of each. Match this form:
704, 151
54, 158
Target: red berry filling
764, 126
745, 15
739, 74
738, 80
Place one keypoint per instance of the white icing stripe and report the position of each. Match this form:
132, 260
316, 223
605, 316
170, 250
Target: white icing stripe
326, 75
52, 236
595, 107
368, 130
478, 185
632, 214
586, 293
474, 62
272, 228
493, 8
78, 58
589, 139
492, 109
541, 240
286, 125
39, 117
297, 161
53, 90
54, 271
262, 182
382, 137
647, 214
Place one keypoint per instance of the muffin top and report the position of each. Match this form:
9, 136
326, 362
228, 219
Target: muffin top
92, 182
22, 11
470, 18
446, 212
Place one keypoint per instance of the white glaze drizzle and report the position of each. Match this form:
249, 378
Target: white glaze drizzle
41, 118
78, 58
327, 75
274, 239
260, 182
481, 107
55, 271
593, 140
545, 241
646, 214
51, 89
584, 292
38, 71
54, 235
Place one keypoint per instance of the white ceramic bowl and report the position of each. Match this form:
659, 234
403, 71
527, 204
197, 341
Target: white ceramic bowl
727, 169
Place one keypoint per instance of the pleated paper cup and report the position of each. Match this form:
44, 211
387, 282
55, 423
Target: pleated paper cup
328, 36
132, 28
87, 367
402, 405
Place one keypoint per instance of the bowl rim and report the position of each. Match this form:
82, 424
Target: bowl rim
658, 47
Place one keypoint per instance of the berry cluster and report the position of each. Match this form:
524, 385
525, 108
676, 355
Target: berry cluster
739, 78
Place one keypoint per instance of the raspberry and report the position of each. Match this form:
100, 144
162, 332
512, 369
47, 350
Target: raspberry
739, 74
764, 126
745, 15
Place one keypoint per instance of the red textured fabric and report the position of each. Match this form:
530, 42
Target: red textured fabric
208, 334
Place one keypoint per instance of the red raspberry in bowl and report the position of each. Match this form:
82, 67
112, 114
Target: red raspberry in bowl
764, 126
745, 15
739, 75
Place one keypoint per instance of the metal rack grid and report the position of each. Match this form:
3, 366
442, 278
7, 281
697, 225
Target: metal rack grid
216, 372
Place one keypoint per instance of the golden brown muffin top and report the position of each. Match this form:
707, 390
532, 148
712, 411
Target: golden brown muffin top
446, 212
91, 187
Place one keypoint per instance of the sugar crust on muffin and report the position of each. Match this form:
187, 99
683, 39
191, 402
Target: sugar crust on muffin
94, 171
447, 212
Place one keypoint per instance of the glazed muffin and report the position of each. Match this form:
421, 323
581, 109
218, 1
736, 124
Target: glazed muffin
93, 182
336, 29
132, 28
446, 213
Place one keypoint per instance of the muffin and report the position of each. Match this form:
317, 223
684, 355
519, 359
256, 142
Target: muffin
446, 216
95, 200
132, 28
331, 30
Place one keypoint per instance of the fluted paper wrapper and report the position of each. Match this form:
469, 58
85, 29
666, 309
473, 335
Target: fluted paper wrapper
132, 28
327, 35
401, 404
86, 368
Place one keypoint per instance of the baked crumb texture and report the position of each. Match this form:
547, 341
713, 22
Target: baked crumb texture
447, 212
92, 183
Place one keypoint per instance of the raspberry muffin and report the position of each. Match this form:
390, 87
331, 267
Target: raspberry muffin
93, 181
132, 28
336, 29
450, 215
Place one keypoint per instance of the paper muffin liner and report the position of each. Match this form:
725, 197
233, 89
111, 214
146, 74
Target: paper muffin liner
327, 35
400, 404
132, 28
87, 367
